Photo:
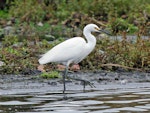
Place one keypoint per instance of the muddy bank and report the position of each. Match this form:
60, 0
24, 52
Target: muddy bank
17, 84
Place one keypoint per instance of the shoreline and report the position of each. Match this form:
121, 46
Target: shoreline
16, 84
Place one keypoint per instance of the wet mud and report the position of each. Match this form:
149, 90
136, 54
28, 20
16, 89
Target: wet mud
13, 84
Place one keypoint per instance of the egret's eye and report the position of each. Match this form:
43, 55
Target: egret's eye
96, 28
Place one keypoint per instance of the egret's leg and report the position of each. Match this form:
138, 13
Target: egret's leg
64, 77
84, 85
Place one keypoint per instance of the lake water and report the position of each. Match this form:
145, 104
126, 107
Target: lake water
105, 98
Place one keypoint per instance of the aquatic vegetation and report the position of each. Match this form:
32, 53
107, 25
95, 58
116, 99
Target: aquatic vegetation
121, 25
51, 74
4, 14
27, 10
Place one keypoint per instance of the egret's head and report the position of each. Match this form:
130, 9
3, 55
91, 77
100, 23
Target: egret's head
94, 28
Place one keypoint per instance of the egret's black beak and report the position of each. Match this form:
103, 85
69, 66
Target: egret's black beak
104, 31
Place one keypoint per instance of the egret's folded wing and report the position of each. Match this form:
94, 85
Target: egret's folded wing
68, 50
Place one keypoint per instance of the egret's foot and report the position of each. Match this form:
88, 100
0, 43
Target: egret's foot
85, 82
65, 96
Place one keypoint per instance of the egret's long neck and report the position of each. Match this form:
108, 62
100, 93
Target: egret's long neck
91, 40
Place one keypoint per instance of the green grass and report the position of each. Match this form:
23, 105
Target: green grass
4, 14
50, 75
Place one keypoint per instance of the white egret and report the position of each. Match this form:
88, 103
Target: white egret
72, 50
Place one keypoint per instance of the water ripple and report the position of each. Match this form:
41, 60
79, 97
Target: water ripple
115, 98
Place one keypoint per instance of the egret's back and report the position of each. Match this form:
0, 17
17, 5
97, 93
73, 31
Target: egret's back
68, 51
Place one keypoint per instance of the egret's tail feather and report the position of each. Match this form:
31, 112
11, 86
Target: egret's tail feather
42, 61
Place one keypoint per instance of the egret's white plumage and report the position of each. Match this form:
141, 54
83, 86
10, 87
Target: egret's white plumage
72, 50
65, 52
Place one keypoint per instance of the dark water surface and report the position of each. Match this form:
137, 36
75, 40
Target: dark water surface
105, 98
